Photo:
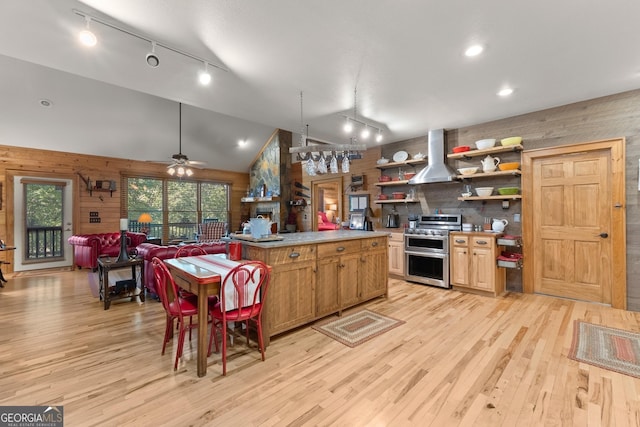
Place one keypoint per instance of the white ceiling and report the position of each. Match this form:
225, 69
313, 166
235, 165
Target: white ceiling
405, 58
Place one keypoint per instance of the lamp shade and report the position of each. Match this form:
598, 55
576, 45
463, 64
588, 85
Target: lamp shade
145, 218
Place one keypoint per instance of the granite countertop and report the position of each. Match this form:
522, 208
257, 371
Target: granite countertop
313, 237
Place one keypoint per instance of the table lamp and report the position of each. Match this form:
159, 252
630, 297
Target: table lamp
144, 220
124, 225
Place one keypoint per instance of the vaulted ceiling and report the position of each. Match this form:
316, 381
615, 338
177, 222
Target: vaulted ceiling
406, 59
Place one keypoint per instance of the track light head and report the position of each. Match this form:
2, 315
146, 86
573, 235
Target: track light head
86, 37
152, 59
205, 77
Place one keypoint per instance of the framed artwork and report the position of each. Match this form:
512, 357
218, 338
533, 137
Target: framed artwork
358, 202
356, 221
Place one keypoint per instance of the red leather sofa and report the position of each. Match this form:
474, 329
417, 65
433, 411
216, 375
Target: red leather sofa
147, 251
88, 247
324, 224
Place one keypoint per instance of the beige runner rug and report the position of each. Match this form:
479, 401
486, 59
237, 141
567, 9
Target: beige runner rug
357, 328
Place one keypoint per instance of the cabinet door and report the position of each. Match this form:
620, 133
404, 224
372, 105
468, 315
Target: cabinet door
483, 266
373, 274
290, 299
348, 272
396, 258
327, 290
460, 265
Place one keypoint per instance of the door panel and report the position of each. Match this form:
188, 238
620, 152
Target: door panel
572, 195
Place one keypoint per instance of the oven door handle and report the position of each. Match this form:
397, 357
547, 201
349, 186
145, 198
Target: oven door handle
440, 255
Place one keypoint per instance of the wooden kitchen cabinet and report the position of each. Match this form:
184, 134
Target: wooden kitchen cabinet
396, 254
373, 269
338, 265
474, 263
291, 294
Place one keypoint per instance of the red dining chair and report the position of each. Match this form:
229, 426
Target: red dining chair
243, 292
192, 250
175, 306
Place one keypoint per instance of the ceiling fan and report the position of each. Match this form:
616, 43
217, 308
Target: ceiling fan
180, 165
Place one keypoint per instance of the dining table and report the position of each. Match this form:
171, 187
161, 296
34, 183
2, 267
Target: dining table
201, 275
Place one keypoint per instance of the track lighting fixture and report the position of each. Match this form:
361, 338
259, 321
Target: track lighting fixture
89, 39
366, 128
205, 77
152, 59
86, 37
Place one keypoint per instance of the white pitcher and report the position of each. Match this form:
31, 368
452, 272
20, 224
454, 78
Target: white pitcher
489, 163
498, 225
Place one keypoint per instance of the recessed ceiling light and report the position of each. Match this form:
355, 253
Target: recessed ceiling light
474, 50
46, 103
505, 92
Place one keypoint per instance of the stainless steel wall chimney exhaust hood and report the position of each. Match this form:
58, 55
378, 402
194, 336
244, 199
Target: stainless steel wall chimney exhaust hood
436, 169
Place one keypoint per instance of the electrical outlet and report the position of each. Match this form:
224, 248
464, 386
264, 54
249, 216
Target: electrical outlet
516, 217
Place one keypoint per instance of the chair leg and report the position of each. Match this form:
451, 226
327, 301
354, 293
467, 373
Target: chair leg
181, 335
260, 341
224, 348
167, 332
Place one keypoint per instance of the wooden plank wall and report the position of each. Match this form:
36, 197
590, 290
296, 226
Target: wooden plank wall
607, 117
17, 160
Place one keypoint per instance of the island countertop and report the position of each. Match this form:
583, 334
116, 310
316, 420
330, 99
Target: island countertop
318, 273
314, 237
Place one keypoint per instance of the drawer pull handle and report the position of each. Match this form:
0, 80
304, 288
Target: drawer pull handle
481, 242
460, 241
340, 248
374, 244
294, 254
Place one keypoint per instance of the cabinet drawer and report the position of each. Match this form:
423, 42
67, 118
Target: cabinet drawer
396, 237
291, 254
338, 248
375, 243
459, 240
483, 242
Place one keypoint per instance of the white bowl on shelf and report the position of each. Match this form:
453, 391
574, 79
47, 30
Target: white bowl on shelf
468, 171
483, 144
484, 191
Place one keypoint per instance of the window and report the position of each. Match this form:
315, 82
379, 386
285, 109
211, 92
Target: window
176, 206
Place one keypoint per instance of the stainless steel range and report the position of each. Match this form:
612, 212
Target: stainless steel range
426, 249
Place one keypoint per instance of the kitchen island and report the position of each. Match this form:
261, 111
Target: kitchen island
315, 274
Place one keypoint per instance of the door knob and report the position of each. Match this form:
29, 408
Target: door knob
603, 235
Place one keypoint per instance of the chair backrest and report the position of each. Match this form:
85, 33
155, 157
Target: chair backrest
190, 250
166, 287
245, 286
212, 231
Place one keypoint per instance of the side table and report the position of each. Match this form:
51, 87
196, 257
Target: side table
107, 264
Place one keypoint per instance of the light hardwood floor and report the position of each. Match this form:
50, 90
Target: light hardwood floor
459, 359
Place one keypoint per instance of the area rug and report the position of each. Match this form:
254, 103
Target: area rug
356, 328
609, 348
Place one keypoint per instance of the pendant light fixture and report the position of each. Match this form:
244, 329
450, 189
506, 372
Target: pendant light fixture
367, 128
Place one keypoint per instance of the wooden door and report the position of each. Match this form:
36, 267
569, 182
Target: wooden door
569, 224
